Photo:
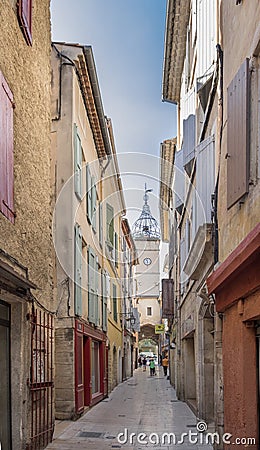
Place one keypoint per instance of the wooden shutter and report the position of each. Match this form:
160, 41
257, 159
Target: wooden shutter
96, 298
167, 298
93, 203
116, 249
114, 302
104, 301
77, 164
110, 224
91, 285
100, 224
89, 194
25, 19
238, 136
6, 151
78, 271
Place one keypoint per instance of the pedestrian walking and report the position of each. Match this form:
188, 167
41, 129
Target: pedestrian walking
144, 363
152, 367
140, 361
165, 365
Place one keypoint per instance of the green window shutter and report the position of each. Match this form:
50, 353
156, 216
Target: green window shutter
94, 202
104, 291
89, 194
78, 271
100, 224
77, 164
116, 249
96, 295
91, 285
114, 302
110, 225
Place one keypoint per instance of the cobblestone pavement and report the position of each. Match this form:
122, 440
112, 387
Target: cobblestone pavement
142, 404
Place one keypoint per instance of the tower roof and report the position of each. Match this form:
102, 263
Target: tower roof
146, 226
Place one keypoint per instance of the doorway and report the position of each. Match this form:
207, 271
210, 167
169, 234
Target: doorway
258, 372
5, 385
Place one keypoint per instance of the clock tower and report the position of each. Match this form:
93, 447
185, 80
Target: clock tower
146, 234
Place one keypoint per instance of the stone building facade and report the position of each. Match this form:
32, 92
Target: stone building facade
210, 180
26, 252
80, 149
191, 76
235, 284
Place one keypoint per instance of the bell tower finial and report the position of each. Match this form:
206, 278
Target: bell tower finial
146, 225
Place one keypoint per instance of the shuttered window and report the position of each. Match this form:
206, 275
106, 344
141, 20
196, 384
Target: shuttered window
78, 270
94, 203
24, 8
104, 300
93, 277
77, 164
89, 194
100, 224
114, 303
6, 151
237, 155
116, 249
110, 225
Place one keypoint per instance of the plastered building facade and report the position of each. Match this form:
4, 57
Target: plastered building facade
26, 252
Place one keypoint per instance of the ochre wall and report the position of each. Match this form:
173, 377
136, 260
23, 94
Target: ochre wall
27, 72
240, 379
239, 36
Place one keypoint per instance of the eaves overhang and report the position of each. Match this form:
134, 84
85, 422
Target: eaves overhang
168, 149
94, 102
177, 18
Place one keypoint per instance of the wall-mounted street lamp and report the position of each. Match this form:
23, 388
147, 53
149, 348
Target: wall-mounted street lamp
128, 316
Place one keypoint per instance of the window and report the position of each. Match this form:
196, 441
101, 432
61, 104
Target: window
149, 311
78, 270
116, 249
93, 310
91, 198
25, 18
237, 155
104, 293
6, 151
94, 203
114, 303
110, 225
100, 224
77, 164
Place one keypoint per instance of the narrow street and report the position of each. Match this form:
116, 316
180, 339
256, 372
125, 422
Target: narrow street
142, 404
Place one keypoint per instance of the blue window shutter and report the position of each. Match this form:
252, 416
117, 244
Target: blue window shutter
89, 194
77, 164
94, 202
91, 284
78, 271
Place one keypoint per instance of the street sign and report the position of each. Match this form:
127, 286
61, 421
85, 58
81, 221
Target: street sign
159, 329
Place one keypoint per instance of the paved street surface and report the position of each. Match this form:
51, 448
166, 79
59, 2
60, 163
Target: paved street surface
142, 404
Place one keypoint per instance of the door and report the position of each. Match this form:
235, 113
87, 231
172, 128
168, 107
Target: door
5, 385
258, 372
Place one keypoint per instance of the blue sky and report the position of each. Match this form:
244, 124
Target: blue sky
127, 37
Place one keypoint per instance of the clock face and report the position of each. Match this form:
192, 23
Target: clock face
147, 261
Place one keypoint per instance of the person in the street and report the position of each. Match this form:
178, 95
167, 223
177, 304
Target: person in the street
165, 365
140, 361
152, 367
144, 363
